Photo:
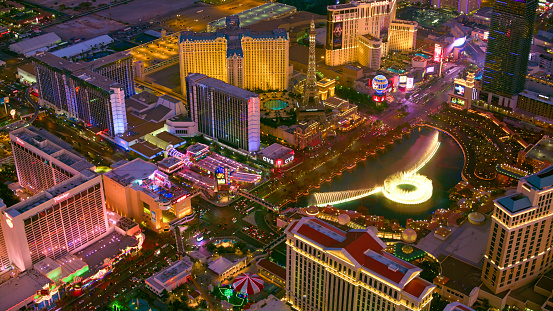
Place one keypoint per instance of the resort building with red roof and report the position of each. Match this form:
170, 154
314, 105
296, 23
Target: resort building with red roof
330, 269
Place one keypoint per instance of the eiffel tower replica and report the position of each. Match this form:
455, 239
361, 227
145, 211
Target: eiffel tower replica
311, 107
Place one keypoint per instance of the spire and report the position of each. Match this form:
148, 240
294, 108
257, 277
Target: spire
310, 89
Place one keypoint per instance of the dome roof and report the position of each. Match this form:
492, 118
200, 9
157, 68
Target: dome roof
312, 210
409, 236
373, 229
476, 218
343, 219
407, 249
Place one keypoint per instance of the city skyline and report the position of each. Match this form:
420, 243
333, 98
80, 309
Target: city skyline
250, 155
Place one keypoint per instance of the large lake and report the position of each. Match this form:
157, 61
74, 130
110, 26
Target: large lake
444, 169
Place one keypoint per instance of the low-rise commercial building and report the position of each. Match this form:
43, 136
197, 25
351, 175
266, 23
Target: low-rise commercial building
539, 155
171, 277
276, 155
138, 190
459, 281
225, 268
457, 306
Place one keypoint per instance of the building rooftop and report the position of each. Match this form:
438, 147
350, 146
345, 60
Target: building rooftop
21, 288
108, 247
170, 138
177, 269
106, 60
45, 196
137, 169
270, 303
220, 265
542, 150
273, 268
515, 203
97, 80
259, 13
84, 46
541, 180
35, 43
196, 148
484, 12
276, 151
141, 101
140, 130
364, 249
146, 149
157, 113
58, 62
457, 306
28, 67
221, 86
459, 275
169, 162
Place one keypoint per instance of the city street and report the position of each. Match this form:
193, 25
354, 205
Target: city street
419, 110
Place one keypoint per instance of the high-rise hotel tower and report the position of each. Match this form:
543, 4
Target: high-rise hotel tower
224, 112
329, 269
521, 237
252, 60
509, 41
67, 212
43, 160
81, 93
361, 31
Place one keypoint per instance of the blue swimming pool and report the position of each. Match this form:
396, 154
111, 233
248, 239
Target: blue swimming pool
275, 104
423, 55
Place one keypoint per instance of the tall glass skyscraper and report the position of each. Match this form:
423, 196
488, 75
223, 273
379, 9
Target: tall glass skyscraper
511, 28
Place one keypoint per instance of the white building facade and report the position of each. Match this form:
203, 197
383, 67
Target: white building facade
329, 269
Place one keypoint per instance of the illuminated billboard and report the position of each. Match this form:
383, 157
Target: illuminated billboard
430, 69
438, 53
457, 101
402, 79
410, 83
334, 35
459, 90
459, 42
220, 176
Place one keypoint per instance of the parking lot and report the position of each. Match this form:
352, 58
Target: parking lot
197, 17
156, 51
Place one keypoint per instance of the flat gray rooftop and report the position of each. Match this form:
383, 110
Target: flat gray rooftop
21, 288
108, 247
542, 150
463, 277
127, 173
221, 86
468, 243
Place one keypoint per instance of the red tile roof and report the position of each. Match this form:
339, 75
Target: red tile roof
273, 268
416, 287
383, 270
365, 248
316, 236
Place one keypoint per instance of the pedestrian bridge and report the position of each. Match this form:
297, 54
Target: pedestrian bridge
258, 200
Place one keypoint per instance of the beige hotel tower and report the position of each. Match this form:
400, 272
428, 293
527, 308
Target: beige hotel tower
519, 246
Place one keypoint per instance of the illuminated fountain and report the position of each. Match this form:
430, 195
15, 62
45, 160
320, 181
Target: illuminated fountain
406, 187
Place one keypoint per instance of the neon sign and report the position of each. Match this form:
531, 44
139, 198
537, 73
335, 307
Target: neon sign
181, 198
61, 197
19, 141
438, 53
